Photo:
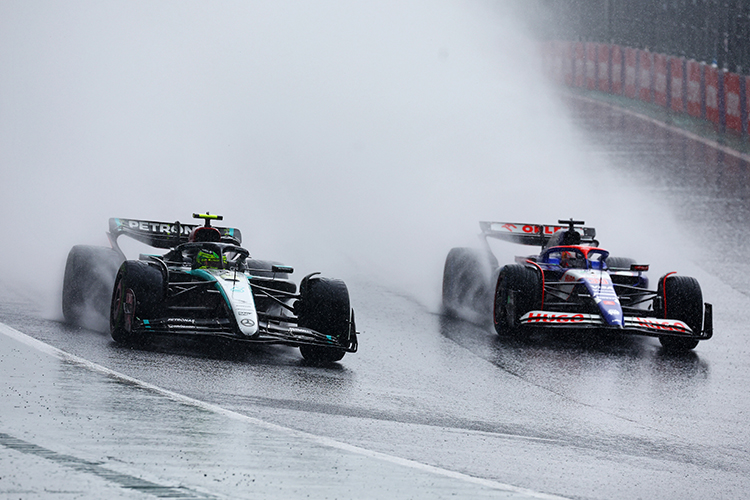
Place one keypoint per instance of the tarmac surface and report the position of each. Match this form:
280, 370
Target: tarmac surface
56, 442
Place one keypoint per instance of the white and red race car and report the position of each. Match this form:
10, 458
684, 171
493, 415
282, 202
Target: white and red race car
573, 284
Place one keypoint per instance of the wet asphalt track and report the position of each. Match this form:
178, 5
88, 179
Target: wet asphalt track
577, 416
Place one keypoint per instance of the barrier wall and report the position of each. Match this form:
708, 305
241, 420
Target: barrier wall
645, 76
603, 68
616, 74
630, 87
568, 63
579, 65
680, 85
711, 93
676, 79
694, 88
660, 79
591, 50
732, 102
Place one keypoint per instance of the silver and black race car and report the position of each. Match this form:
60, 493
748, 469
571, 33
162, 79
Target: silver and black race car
205, 285
571, 284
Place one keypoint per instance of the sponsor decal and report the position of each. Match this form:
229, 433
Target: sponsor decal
552, 229
156, 227
247, 322
244, 313
181, 324
554, 318
661, 324
595, 280
529, 228
238, 289
181, 321
164, 228
608, 302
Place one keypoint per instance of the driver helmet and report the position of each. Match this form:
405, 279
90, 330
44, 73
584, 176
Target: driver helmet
203, 233
568, 259
205, 259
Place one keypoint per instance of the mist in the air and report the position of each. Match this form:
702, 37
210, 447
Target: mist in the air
357, 139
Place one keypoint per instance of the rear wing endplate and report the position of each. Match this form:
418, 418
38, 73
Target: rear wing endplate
530, 234
160, 234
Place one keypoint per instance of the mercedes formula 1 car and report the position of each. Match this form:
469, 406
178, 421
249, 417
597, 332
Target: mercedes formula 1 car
206, 284
571, 284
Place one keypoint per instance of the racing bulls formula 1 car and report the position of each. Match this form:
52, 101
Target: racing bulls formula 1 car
205, 285
571, 284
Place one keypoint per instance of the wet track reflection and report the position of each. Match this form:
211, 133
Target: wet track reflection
569, 352
579, 415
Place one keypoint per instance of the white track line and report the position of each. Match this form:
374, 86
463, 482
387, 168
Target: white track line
321, 440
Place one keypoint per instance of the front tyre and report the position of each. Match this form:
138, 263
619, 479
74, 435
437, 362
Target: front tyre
139, 293
518, 291
325, 308
680, 298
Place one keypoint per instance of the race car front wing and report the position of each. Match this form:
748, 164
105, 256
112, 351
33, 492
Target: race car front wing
268, 332
655, 327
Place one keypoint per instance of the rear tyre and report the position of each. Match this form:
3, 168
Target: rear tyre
87, 285
680, 298
324, 307
518, 291
467, 283
139, 293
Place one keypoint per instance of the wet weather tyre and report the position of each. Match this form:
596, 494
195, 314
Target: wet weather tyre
518, 291
467, 283
324, 307
87, 285
139, 294
680, 298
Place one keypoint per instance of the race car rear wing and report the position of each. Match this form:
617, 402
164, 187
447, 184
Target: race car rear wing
532, 234
160, 234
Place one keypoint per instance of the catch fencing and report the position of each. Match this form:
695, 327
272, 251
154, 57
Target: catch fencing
714, 31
